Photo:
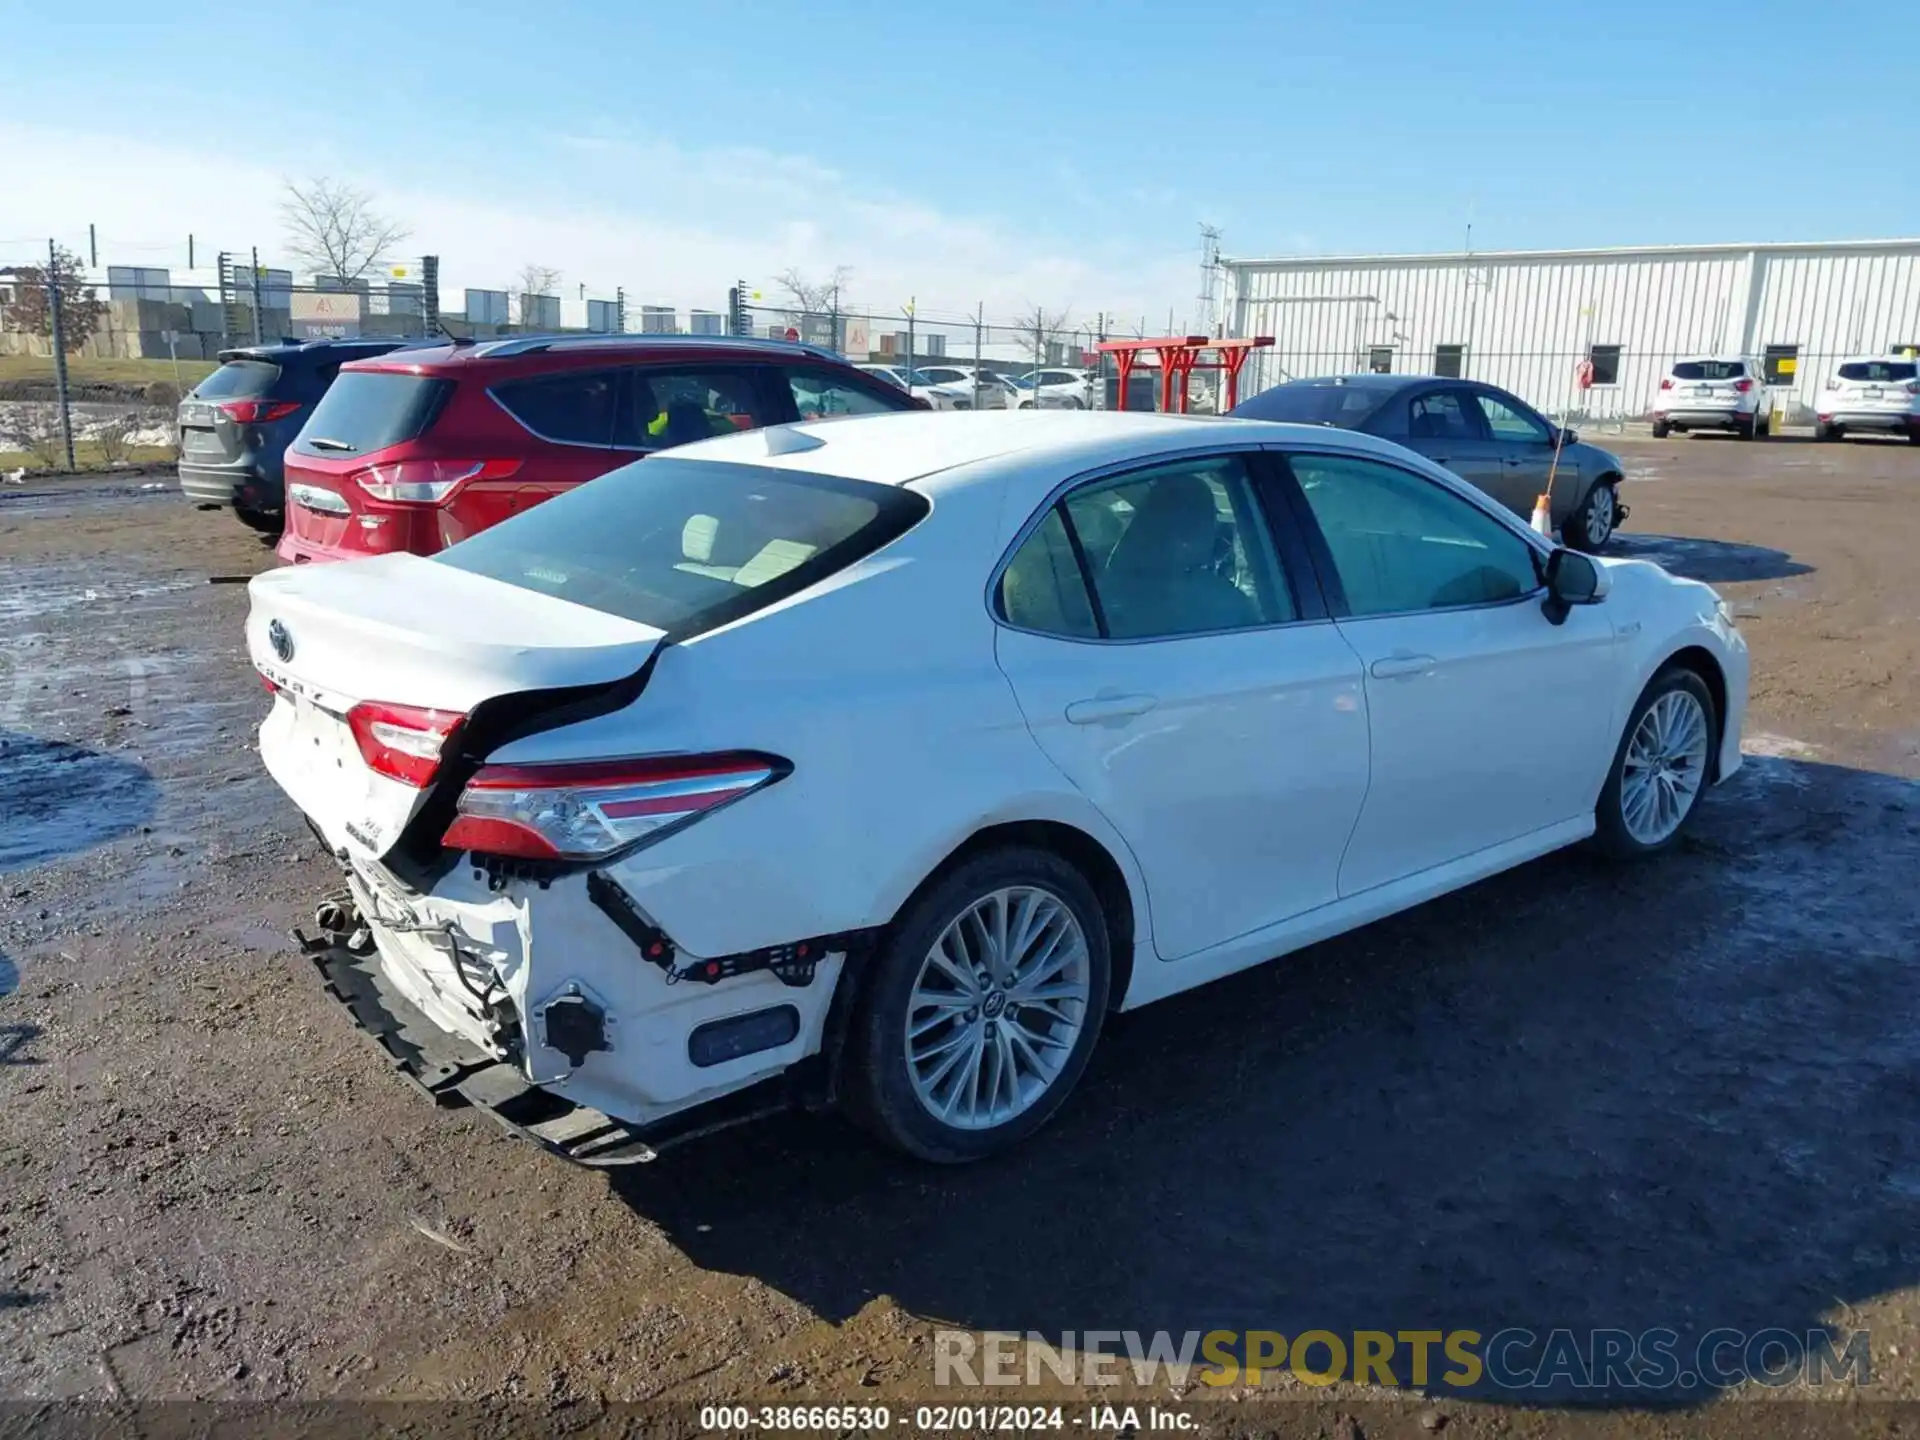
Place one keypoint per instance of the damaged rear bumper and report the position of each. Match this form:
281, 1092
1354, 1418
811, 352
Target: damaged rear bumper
455, 1073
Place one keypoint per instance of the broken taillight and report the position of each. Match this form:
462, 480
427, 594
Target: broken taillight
402, 742
589, 809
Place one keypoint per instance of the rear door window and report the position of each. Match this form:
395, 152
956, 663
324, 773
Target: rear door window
1440, 415
685, 545
368, 410
662, 408
1879, 372
238, 380
573, 408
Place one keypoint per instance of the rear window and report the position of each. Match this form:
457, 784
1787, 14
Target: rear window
1709, 370
685, 545
238, 380
1883, 371
1347, 406
368, 410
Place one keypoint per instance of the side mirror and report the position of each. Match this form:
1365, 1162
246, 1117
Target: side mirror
1569, 435
1573, 579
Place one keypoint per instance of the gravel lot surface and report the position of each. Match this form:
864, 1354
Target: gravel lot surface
1685, 1094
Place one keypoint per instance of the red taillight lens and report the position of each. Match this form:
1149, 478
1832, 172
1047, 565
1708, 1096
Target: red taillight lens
428, 482
1913, 387
402, 742
590, 809
1667, 384
1743, 386
259, 412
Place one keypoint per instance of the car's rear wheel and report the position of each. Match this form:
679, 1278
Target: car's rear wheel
1661, 429
1660, 768
1591, 525
267, 522
984, 1005
1824, 431
1749, 427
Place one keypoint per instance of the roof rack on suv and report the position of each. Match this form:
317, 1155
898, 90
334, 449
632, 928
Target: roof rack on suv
533, 344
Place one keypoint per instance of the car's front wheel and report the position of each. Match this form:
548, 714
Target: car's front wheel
983, 1007
1661, 429
1591, 525
1660, 767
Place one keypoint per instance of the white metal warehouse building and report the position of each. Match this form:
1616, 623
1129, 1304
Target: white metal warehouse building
1524, 320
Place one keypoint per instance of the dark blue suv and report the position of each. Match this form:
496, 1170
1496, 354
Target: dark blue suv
237, 423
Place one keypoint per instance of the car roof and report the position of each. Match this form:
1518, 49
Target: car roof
569, 351
280, 351
937, 450
1365, 380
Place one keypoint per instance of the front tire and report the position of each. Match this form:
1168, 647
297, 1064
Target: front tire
985, 1003
1590, 526
1661, 429
1660, 768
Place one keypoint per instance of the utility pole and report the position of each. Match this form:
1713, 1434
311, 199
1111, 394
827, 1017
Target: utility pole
59, 352
911, 367
979, 319
93, 249
189, 252
833, 319
257, 334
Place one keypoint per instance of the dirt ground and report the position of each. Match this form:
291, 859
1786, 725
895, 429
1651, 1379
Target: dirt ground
1685, 1094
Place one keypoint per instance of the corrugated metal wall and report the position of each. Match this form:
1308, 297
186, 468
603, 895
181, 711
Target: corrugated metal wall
1527, 320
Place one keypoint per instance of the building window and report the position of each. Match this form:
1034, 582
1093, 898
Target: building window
1605, 360
1380, 359
1450, 361
1782, 364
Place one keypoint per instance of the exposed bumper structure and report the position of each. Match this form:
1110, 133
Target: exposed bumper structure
456, 1073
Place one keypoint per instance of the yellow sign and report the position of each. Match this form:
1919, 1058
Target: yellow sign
399, 272
1786, 365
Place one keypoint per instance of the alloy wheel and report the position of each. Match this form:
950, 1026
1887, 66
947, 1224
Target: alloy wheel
1664, 767
997, 1007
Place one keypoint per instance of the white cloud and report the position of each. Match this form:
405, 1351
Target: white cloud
670, 224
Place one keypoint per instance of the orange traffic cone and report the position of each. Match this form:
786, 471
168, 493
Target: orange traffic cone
1543, 516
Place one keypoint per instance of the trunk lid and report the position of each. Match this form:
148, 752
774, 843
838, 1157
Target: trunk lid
402, 630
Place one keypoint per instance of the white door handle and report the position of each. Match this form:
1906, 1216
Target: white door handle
1109, 707
1401, 667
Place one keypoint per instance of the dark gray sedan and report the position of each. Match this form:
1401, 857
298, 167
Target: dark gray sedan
1479, 432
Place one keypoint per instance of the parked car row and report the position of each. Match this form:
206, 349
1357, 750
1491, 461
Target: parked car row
875, 763
1871, 393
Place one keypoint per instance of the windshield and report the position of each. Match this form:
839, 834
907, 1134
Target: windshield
1347, 406
1709, 370
684, 545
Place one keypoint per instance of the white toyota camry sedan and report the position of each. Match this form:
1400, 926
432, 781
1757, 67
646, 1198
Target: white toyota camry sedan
873, 762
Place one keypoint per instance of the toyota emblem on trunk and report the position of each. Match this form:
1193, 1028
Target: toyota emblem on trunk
281, 641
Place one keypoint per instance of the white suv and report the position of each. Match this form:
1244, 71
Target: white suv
922, 386
1056, 390
1871, 393
992, 395
1714, 393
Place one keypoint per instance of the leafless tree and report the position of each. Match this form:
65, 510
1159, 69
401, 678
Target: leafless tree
1039, 327
535, 282
335, 230
812, 297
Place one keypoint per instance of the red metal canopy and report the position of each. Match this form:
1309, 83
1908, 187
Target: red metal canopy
1180, 355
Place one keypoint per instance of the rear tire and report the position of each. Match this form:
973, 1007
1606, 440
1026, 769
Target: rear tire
1823, 431
1747, 428
1636, 814
267, 522
895, 1095
1661, 429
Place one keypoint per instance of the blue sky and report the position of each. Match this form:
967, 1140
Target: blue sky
1057, 153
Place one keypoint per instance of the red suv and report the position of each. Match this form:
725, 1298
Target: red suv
420, 448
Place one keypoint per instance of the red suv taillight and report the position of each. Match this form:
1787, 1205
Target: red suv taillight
428, 482
258, 412
402, 742
585, 810
1667, 384
1743, 386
